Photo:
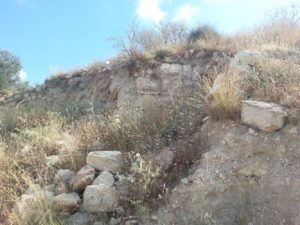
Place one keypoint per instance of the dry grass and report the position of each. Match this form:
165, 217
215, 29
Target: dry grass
279, 31
137, 128
274, 80
224, 96
34, 209
92, 68
23, 159
15, 178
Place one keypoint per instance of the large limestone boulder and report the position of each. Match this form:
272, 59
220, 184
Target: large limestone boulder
105, 160
83, 178
68, 203
264, 116
100, 198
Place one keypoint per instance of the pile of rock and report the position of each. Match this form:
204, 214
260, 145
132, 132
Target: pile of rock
75, 197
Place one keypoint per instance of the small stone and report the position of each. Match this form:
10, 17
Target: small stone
253, 170
155, 218
98, 223
120, 211
83, 178
184, 181
26, 149
105, 160
205, 119
79, 218
164, 158
106, 178
132, 222
114, 221
66, 202
251, 131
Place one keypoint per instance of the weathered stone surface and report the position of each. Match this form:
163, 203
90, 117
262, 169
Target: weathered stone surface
105, 160
148, 85
100, 198
264, 116
106, 178
114, 221
79, 218
83, 178
98, 223
62, 181
253, 170
242, 61
217, 85
114, 84
239, 177
132, 222
164, 158
170, 69
124, 187
66, 202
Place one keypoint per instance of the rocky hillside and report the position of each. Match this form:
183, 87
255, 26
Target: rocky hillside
208, 136
249, 174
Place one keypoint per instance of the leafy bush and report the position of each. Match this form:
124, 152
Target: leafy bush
10, 66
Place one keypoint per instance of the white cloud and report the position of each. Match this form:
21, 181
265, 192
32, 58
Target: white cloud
150, 10
22, 75
21, 1
186, 13
273, 2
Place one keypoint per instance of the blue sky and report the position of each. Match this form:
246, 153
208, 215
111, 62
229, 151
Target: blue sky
54, 35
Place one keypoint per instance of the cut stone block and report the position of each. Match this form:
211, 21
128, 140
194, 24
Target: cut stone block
105, 160
265, 116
